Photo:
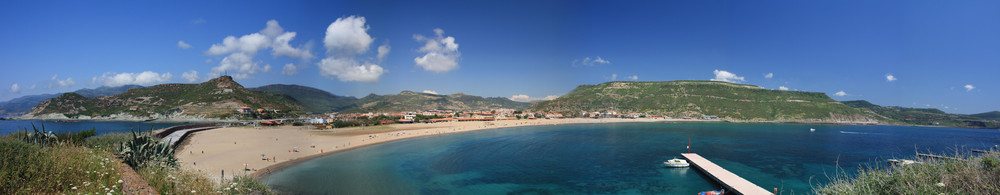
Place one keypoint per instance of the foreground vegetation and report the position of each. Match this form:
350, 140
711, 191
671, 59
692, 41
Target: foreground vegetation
40, 162
971, 175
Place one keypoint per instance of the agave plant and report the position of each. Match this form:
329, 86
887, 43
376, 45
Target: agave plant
42, 137
144, 150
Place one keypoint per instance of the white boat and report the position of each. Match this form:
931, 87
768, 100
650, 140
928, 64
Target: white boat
811, 129
676, 163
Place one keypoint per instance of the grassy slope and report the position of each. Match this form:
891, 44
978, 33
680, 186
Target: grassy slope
314, 100
994, 115
924, 116
695, 98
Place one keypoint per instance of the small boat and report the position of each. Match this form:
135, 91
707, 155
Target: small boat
676, 163
720, 192
811, 129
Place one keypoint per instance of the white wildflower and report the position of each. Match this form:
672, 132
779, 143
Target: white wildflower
120, 181
940, 184
192, 191
74, 187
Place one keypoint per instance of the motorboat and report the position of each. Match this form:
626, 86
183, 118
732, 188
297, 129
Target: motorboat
811, 129
720, 192
676, 163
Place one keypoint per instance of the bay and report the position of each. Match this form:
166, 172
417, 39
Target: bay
102, 127
624, 158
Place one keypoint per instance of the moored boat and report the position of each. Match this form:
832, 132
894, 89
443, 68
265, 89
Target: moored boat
676, 163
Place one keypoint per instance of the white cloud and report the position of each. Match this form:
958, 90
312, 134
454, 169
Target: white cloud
383, 51
614, 77
54, 81
783, 88
190, 76
769, 75
32, 86
969, 87
198, 21
239, 63
726, 76
289, 69
348, 69
587, 61
111, 79
14, 88
440, 53
526, 98
267, 68
840, 93
345, 39
633, 77
183, 45
242, 50
890, 78
430, 92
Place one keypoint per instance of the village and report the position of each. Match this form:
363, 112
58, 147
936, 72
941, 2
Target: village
338, 120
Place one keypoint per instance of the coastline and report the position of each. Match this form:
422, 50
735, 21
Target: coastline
228, 150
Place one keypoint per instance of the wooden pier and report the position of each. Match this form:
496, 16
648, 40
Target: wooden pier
729, 180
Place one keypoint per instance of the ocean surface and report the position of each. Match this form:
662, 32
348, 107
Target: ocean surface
9, 126
624, 158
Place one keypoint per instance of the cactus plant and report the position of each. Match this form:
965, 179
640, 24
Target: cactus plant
144, 150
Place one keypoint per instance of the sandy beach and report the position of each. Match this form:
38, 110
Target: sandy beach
264, 149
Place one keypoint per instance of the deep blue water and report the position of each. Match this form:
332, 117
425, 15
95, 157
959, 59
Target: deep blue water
615, 158
9, 126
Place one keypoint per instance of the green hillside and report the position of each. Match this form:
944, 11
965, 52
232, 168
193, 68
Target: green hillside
994, 115
216, 98
24, 104
413, 101
314, 100
696, 98
925, 116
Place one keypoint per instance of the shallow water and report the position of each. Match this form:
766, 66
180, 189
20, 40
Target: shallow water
620, 158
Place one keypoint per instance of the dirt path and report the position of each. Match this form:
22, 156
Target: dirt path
132, 183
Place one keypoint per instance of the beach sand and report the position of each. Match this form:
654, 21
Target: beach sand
228, 150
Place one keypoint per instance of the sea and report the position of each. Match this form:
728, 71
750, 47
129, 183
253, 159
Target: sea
619, 158
102, 127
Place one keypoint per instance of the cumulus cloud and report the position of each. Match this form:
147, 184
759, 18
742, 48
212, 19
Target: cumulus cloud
726, 76
346, 38
526, 98
14, 88
969, 87
633, 77
241, 51
783, 88
614, 77
587, 61
190, 76
840, 93
430, 92
349, 69
440, 52
890, 78
769, 75
383, 51
289, 69
56, 82
183, 45
111, 79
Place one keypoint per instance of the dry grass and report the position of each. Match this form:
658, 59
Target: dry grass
973, 175
30, 169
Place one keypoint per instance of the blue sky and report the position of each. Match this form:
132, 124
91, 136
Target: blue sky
940, 54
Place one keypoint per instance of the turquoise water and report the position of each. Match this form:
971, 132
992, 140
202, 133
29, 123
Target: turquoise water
9, 126
614, 158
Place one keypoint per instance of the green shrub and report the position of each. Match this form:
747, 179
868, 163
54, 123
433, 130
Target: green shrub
298, 124
110, 142
78, 137
30, 169
971, 175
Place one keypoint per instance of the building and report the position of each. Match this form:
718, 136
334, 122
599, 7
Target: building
244, 110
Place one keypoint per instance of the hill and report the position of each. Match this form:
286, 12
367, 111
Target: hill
925, 116
314, 100
24, 104
215, 99
413, 101
698, 98
995, 115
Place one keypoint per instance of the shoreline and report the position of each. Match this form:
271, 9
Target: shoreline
220, 157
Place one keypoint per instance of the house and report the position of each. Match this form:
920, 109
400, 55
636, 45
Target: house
243, 110
709, 117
